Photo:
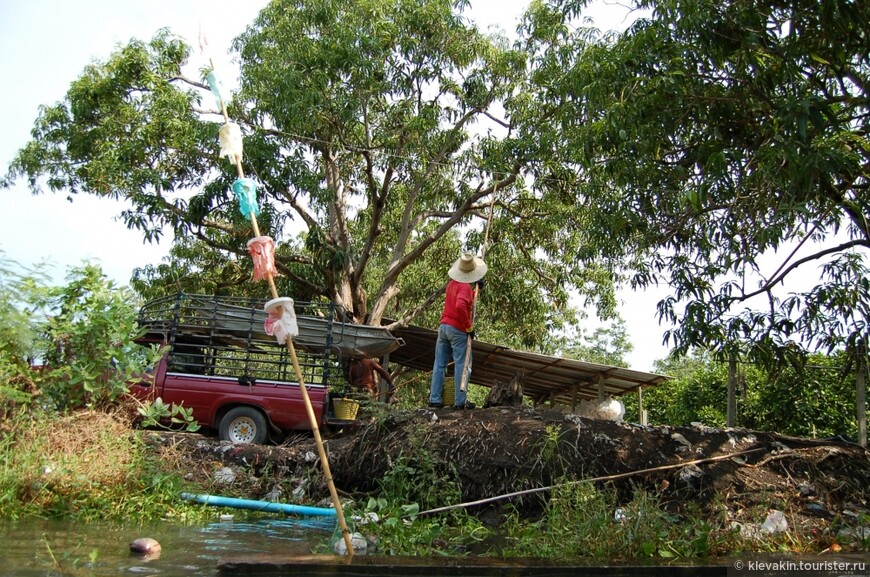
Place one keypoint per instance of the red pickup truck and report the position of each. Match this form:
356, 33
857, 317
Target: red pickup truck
238, 380
241, 409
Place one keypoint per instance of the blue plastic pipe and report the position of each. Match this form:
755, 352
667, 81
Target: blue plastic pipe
267, 506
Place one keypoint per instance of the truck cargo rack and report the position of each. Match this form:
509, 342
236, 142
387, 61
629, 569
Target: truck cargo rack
224, 336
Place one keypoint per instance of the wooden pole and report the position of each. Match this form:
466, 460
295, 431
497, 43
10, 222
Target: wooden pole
466, 373
731, 417
312, 418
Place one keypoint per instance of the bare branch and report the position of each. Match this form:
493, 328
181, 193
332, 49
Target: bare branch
412, 314
190, 81
496, 120
832, 250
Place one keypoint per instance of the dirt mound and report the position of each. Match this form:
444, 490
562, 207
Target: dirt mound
497, 451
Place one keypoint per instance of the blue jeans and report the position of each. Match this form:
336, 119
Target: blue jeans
451, 343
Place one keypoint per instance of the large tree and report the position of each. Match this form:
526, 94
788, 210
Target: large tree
707, 137
380, 129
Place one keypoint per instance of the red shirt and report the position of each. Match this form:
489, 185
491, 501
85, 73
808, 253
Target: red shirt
458, 306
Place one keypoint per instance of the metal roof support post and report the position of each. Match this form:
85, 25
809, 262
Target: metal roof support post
640, 412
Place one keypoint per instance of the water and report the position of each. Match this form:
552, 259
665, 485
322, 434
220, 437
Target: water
37, 548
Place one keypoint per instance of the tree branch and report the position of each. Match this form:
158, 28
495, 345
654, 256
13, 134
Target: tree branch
190, 81
773, 282
412, 314
400, 263
496, 120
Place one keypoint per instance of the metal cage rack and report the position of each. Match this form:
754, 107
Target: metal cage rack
224, 336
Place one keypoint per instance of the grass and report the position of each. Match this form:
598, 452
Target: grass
84, 465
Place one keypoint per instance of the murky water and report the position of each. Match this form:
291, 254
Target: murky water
60, 548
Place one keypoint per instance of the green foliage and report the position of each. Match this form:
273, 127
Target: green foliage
79, 335
375, 131
19, 290
581, 521
415, 478
815, 399
606, 345
82, 335
412, 484
706, 138
690, 397
400, 531
19, 317
156, 413
387, 135
89, 353
550, 443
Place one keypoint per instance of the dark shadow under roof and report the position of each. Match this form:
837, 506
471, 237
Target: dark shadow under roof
554, 379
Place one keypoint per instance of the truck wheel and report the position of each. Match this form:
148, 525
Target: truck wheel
243, 425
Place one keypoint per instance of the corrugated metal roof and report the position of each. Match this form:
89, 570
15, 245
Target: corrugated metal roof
547, 378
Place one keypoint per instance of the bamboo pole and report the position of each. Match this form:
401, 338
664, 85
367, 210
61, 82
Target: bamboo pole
466, 372
309, 409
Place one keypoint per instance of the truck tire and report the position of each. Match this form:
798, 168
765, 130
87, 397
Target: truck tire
244, 425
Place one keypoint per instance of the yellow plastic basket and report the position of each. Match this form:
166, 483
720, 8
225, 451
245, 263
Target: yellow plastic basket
345, 409
449, 394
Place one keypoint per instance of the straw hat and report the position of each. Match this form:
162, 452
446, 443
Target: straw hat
468, 268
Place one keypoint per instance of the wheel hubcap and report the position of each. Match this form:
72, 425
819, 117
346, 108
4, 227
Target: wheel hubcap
242, 430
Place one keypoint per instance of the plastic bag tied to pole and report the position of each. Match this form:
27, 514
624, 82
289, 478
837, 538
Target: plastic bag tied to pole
281, 322
245, 190
215, 86
230, 136
262, 249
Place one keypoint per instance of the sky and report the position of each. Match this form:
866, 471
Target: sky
44, 47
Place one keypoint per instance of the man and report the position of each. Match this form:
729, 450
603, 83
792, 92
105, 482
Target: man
363, 374
456, 329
